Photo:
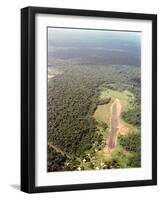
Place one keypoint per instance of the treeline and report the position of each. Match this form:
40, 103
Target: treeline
104, 101
132, 116
132, 143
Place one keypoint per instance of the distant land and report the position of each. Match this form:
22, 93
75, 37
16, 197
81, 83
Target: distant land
100, 47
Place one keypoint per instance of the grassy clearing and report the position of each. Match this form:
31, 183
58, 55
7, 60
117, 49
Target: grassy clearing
103, 112
102, 115
126, 97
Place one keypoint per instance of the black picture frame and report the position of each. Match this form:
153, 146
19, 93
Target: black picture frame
28, 98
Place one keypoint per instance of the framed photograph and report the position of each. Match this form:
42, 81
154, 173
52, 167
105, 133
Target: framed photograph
88, 99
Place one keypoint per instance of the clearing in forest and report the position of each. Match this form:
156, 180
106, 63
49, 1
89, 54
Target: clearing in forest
111, 115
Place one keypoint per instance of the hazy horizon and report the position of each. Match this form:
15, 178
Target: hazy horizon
85, 46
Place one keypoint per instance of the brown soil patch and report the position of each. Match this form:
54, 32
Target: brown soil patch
123, 130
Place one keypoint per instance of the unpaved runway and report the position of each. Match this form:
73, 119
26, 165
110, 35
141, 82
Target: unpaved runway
114, 125
115, 122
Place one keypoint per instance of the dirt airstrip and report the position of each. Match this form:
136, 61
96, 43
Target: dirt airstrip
116, 127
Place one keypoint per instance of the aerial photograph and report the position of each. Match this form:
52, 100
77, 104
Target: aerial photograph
93, 99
